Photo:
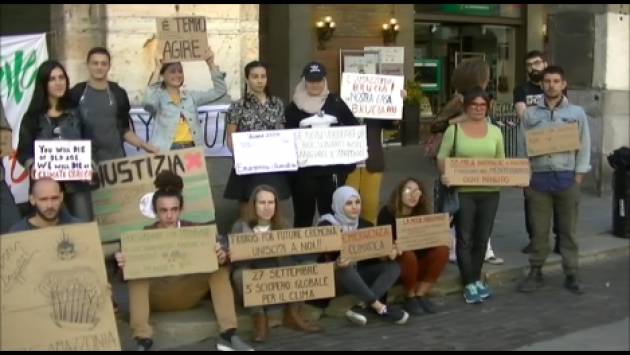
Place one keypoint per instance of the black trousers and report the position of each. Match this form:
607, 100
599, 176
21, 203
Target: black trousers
312, 191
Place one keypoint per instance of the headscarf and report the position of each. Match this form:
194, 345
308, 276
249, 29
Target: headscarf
306, 102
338, 217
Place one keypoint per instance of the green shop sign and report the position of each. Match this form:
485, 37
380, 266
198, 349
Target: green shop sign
472, 9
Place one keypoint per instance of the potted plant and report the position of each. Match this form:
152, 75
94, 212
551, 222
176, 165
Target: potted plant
411, 113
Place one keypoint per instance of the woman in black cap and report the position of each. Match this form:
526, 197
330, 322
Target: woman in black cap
314, 106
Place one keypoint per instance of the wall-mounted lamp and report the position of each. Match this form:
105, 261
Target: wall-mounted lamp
390, 31
325, 30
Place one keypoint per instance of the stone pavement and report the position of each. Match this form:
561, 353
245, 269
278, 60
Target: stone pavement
509, 237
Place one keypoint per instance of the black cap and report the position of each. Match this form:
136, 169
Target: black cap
314, 71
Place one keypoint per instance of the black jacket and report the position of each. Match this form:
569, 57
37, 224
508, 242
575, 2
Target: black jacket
122, 103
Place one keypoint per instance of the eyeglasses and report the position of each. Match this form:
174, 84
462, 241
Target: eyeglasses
408, 191
478, 105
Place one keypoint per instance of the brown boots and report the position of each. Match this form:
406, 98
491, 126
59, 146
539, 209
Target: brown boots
294, 319
261, 327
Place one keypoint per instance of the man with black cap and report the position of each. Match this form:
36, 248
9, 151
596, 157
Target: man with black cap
314, 106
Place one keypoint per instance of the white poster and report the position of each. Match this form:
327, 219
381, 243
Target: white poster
63, 160
264, 152
373, 96
393, 55
20, 57
211, 118
329, 146
365, 64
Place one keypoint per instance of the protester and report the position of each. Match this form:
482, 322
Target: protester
555, 182
419, 269
175, 109
529, 94
104, 107
10, 212
257, 110
314, 106
185, 291
263, 215
473, 137
46, 197
52, 115
367, 280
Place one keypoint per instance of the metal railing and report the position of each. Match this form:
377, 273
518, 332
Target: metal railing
503, 114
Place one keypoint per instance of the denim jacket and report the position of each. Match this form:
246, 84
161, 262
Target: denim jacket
540, 116
167, 114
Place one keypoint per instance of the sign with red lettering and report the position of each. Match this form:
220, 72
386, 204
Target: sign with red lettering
487, 172
373, 95
367, 243
422, 232
63, 160
182, 39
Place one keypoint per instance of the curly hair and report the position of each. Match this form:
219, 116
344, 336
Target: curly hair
395, 205
168, 184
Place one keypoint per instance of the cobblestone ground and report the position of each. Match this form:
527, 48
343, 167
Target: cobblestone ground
507, 321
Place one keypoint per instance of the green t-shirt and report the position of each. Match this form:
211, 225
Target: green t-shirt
490, 146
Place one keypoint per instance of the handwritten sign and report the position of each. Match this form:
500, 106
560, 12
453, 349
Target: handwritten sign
246, 246
63, 159
5, 143
329, 146
552, 140
487, 172
422, 232
118, 202
169, 252
264, 151
372, 95
182, 39
367, 243
288, 284
54, 291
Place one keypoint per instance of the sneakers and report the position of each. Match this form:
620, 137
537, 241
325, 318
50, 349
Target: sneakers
144, 344
355, 315
412, 305
533, 281
394, 315
571, 284
483, 290
235, 344
471, 295
494, 260
426, 304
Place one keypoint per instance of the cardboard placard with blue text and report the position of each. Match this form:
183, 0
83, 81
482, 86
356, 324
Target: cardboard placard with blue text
54, 293
126, 187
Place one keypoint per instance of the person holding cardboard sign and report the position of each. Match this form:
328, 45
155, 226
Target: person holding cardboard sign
181, 292
473, 137
368, 280
174, 109
263, 215
419, 269
53, 115
257, 110
555, 182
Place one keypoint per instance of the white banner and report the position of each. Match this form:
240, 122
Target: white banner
212, 120
330, 146
264, 151
373, 96
63, 160
20, 57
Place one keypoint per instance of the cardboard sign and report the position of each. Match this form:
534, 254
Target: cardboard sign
54, 291
372, 95
487, 172
126, 185
288, 284
330, 146
246, 246
63, 159
264, 151
543, 141
367, 243
169, 252
422, 232
5, 143
182, 39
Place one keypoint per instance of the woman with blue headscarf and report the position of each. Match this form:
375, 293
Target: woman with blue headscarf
368, 280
